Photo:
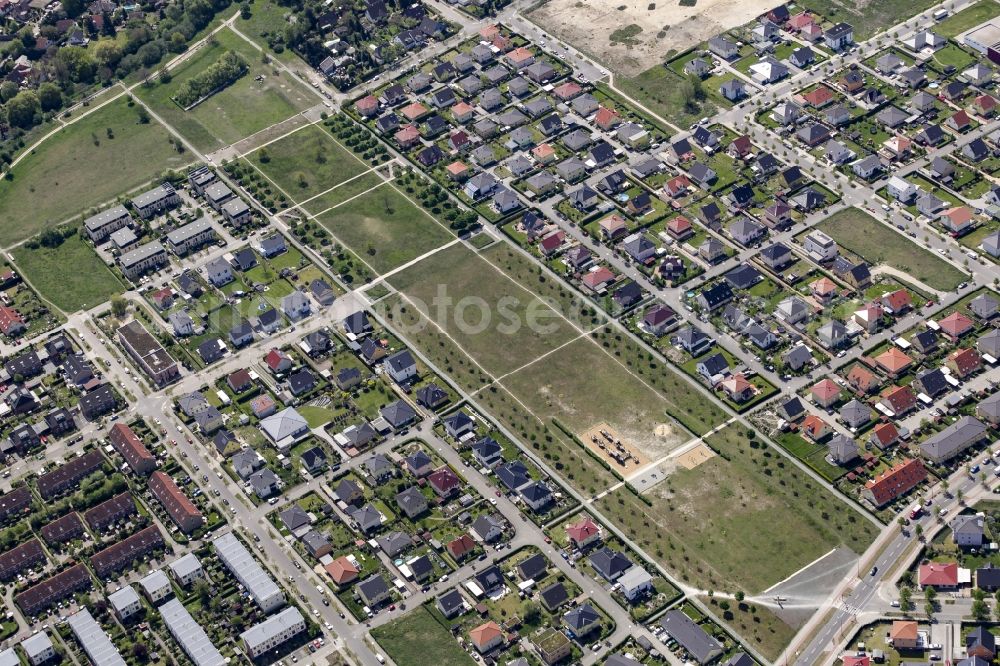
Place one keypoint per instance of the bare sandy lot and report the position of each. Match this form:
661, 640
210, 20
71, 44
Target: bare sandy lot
623, 456
589, 24
696, 456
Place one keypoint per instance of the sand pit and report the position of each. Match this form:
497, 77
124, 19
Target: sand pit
695, 456
597, 436
590, 26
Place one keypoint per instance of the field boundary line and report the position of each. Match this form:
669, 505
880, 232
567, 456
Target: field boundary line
796, 573
343, 182
332, 235
277, 138
400, 192
655, 391
313, 216
541, 356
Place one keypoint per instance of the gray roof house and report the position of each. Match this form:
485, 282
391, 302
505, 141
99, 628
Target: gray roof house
954, 439
702, 647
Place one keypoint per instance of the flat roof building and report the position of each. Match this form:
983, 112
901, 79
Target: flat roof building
125, 602
189, 635
38, 648
273, 631
186, 569
190, 237
103, 224
148, 353
94, 640
156, 200
248, 572
143, 259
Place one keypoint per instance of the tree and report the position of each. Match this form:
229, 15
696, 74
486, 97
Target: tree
23, 110
905, 599
118, 306
50, 96
531, 614
140, 652
930, 595
107, 52
980, 610
7, 90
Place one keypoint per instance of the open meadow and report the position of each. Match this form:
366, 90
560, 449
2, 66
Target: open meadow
103, 155
863, 235
306, 163
238, 110
384, 228
70, 275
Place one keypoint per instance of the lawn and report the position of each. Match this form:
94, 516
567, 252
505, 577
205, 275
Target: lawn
90, 282
269, 18
863, 235
659, 90
306, 162
867, 17
384, 228
967, 18
239, 110
489, 313
581, 386
742, 520
80, 167
418, 639
341, 193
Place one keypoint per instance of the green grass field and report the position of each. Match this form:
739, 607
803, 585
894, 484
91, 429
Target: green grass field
742, 520
237, 111
80, 167
867, 17
968, 18
863, 235
346, 190
581, 386
466, 277
659, 90
71, 276
385, 228
306, 163
268, 17
418, 639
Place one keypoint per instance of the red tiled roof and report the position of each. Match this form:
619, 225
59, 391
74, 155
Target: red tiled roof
965, 361
896, 481
825, 389
461, 546
943, 574
897, 300
606, 117
900, 398
9, 317
893, 360
679, 224
444, 480
582, 530
341, 570
818, 97
486, 633
595, 279
956, 324
885, 432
